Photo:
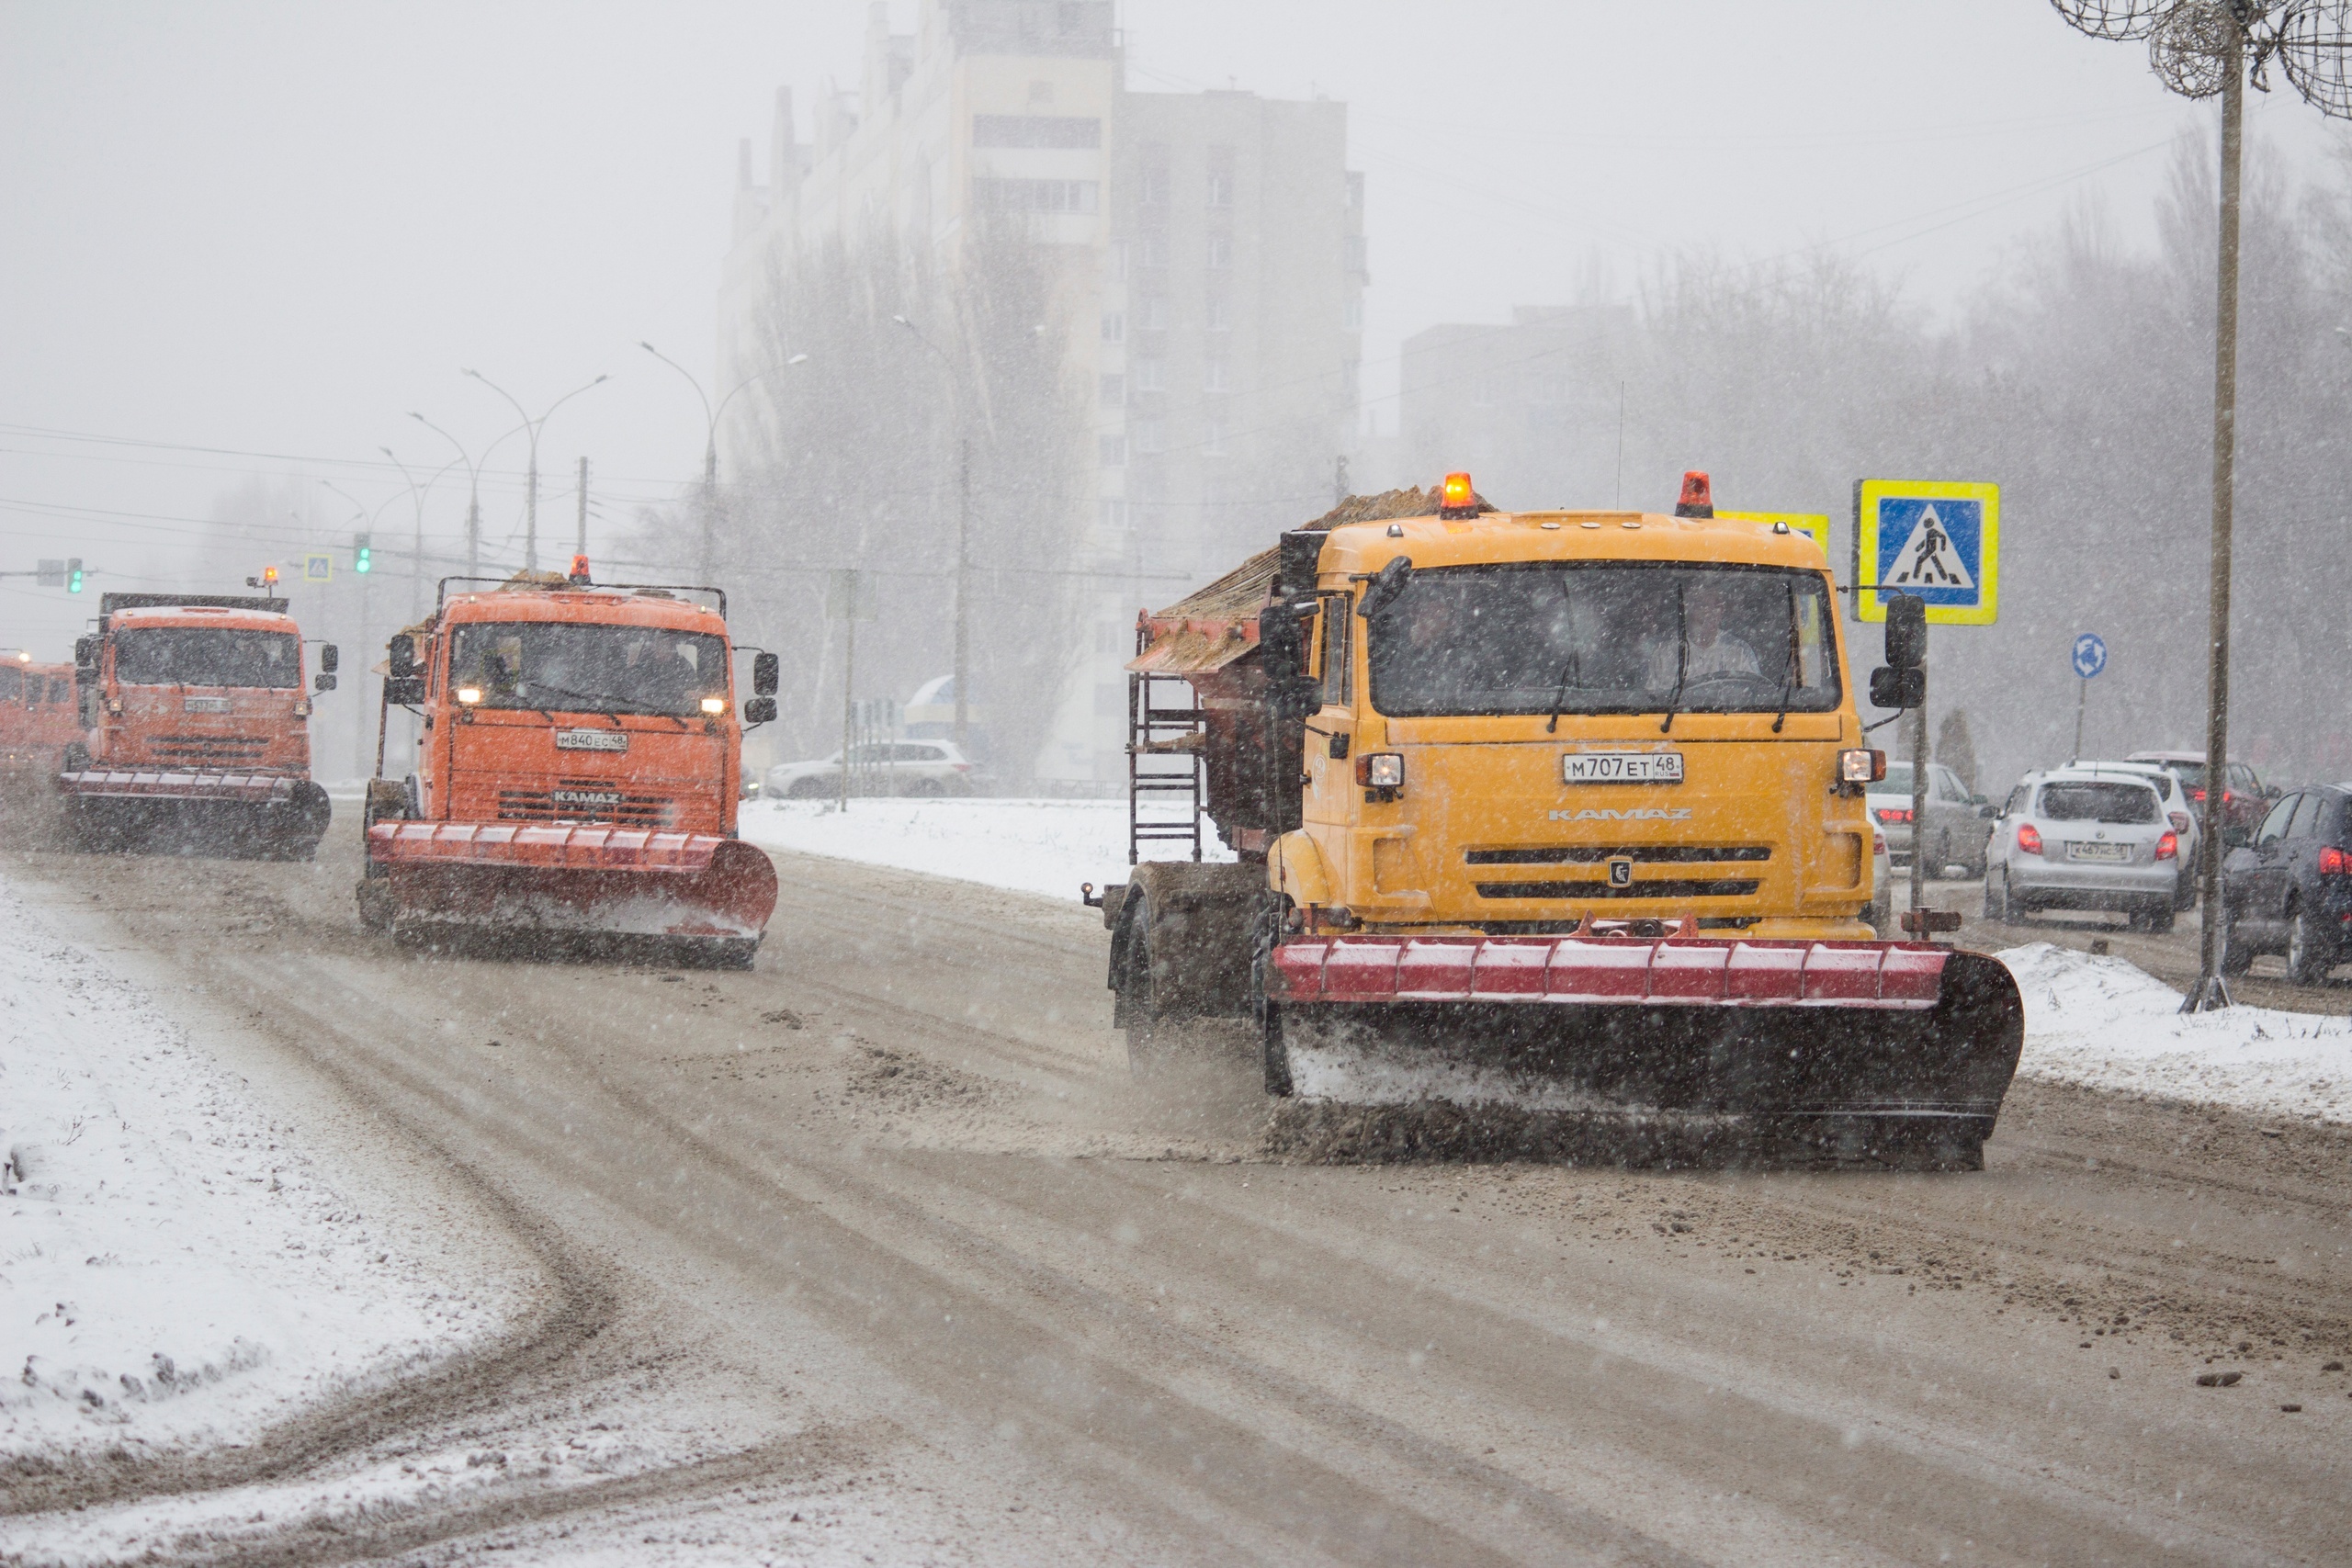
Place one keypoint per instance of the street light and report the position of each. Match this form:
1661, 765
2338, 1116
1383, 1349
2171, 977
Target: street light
531, 494
711, 417
474, 482
959, 679
416, 561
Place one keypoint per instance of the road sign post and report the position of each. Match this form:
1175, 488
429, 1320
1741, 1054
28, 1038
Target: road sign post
2089, 658
1939, 541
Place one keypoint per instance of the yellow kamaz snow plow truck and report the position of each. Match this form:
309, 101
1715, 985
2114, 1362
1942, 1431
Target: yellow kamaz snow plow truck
1554, 823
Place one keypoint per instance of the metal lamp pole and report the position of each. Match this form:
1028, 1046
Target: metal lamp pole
358, 725
963, 539
474, 482
416, 557
531, 494
711, 417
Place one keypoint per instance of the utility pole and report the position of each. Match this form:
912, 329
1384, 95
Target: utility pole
846, 582
2211, 989
580, 545
531, 486
962, 671
1919, 786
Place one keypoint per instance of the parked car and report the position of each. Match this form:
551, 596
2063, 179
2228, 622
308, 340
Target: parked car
2290, 890
2179, 810
1955, 818
2081, 837
879, 767
2244, 797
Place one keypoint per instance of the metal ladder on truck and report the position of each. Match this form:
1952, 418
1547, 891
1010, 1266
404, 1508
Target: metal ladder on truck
1163, 755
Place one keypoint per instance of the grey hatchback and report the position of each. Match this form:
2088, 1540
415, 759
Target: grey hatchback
2084, 839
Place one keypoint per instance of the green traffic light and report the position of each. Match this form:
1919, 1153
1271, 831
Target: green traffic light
360, 553
73, 576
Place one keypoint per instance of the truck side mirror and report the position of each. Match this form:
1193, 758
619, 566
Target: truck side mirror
324, 681
760, 710
400, 652
330, 660
1388, 582
85, 655
767, 673
1902, 682
404, 691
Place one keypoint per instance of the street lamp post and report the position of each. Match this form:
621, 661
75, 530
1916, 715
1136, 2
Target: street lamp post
358, 721
959, 679
416, 557
711, 417
474, 482
531, 492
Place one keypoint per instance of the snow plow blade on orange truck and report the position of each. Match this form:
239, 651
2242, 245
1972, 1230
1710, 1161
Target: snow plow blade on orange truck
578, 773
1551, 840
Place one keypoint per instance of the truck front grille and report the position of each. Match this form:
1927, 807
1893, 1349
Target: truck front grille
1587, 854
208, 749
586, 800
1668, 887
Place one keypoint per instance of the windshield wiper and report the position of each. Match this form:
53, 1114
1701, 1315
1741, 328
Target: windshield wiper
1788, 685
584, 696
1681, 658
1568, 675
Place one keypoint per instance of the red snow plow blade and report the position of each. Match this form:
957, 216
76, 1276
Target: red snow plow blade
526, 879
1874, 1051
195, 812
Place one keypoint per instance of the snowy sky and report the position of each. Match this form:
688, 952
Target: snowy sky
274, 229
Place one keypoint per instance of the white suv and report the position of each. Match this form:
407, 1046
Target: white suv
879, 767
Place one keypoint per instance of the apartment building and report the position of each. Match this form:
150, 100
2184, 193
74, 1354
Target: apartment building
1214, 307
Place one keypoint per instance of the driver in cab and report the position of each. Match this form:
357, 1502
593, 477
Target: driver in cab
1713, 649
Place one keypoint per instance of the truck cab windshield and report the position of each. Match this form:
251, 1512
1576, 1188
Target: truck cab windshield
557, 665
206, 656
1605, 637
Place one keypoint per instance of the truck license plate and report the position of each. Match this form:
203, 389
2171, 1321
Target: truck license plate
2080, 851
592, 739
1621, 767
204, 704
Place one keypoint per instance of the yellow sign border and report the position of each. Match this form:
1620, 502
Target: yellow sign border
1814, 523
317, 559
1869, 493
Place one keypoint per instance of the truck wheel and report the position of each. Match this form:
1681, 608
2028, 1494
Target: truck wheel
2310, 949
1131, 1000
76, 760
2237, 955
1273, 1052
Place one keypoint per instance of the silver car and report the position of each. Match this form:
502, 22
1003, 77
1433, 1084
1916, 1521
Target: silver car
1955, 833
2084, 838
920, 768
2179, 810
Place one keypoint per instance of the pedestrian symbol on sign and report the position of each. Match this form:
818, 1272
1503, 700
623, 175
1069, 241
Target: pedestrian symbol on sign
1927, 559
318, 568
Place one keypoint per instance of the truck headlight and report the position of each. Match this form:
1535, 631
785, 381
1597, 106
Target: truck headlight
1860, 766
713, 706
1381, 770
469, 695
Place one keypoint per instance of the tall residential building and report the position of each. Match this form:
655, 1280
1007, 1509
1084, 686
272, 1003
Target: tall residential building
1531, 407
1216, 326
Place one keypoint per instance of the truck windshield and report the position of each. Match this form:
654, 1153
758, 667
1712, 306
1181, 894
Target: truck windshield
1605, 637
556, 665
206, 656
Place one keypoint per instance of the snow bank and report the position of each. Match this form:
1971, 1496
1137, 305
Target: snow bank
2103, 1024
171, 1269
1031, 846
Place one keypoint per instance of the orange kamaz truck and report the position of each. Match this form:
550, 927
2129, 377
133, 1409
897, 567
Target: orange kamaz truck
195, 730
578, 771
38, 718
1556, 817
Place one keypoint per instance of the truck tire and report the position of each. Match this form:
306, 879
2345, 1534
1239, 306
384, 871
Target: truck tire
2312, 949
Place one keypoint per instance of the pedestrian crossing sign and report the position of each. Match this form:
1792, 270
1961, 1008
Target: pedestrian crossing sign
1936, 539
318, 568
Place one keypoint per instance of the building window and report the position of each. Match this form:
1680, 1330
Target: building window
1114, 514
1221, 252
1114, 391
1115, 326
1112, 450
1154, 250
1220, 317
1149, 375
1149, 436
1351, 316
1151, 315
1035, 130
1220, 187
1214, 446
1353, 252
1482, 393
1036, 196
1151, 185
1355, 191
1114, 261
1213, 377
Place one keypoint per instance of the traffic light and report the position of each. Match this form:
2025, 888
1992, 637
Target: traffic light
360, 553
74, 575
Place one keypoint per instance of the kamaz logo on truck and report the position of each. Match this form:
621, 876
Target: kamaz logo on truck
1639, 814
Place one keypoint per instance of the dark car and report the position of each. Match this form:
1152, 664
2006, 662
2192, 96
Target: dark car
2290, 890
2244, 797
